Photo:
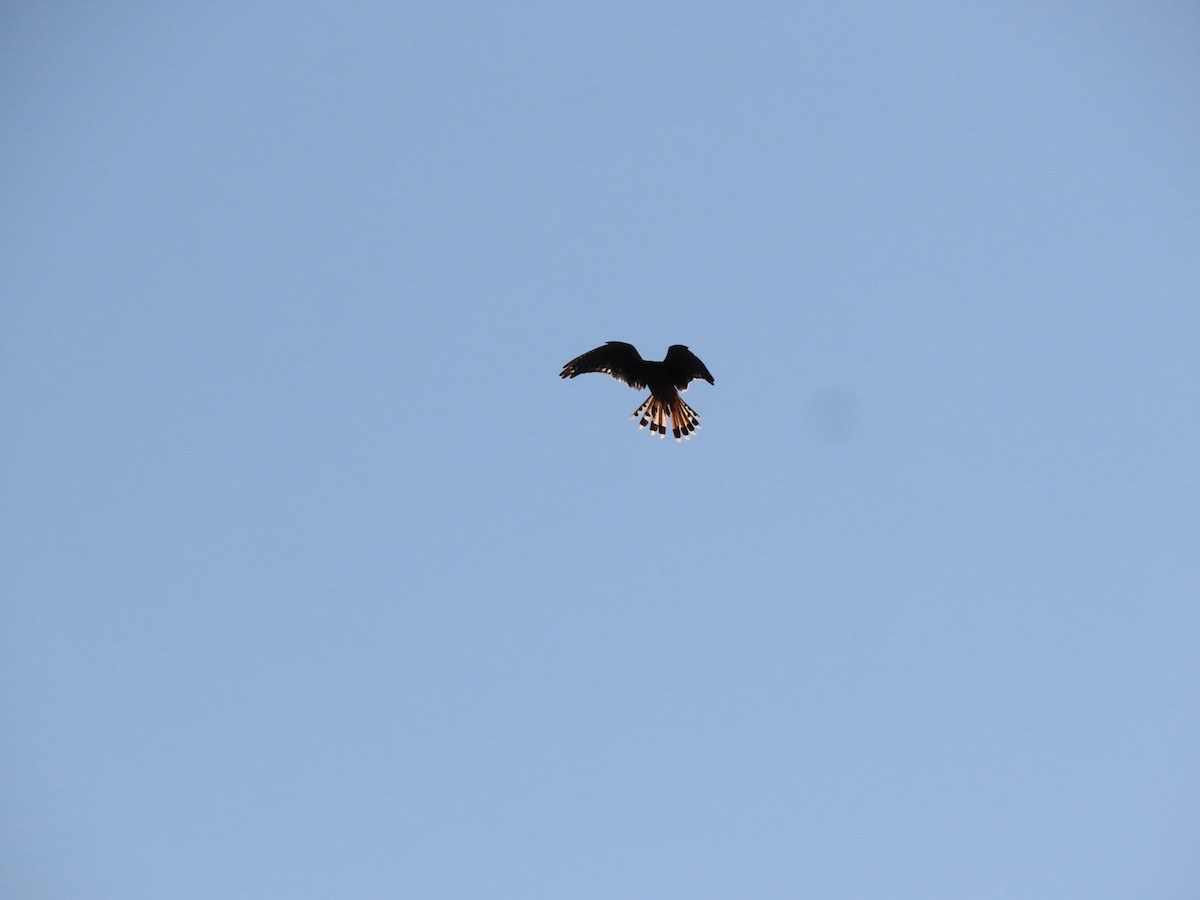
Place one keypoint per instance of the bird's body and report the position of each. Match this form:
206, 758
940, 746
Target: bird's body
665, 378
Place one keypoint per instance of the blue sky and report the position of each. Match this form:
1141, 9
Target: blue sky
319, 582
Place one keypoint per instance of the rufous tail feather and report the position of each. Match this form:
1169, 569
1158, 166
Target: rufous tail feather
655, 412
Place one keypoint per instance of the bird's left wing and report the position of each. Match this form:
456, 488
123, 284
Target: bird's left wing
684, 366
616, 358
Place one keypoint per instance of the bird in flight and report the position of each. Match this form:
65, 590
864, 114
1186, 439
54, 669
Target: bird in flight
665, 378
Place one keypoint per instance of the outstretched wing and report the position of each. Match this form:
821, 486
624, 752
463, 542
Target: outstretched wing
683, 366
616, 358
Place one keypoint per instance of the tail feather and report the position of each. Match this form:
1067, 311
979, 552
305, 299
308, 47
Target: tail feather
655, 412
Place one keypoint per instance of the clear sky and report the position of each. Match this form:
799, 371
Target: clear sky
318, 582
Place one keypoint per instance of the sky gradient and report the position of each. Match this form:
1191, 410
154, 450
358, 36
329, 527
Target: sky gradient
318, 582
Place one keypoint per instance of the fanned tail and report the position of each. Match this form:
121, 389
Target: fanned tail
655, 412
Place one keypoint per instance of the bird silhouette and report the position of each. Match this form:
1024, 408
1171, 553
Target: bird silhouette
665, 378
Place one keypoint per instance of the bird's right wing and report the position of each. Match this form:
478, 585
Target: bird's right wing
616, 358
